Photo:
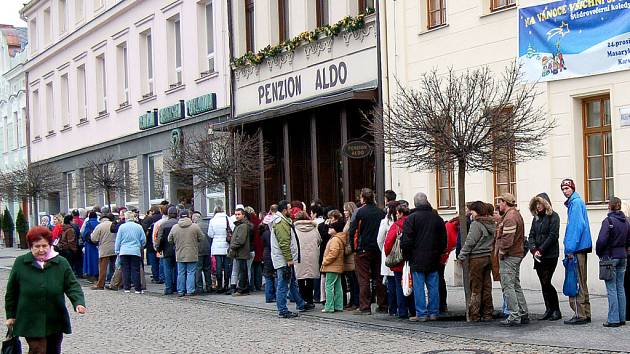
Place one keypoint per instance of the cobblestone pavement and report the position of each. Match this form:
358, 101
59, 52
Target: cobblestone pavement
129, 323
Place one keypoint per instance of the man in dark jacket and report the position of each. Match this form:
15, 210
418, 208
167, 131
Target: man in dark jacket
363, 233
168, 252
204, 263
239, 250
423, 242
152, 259
543, 244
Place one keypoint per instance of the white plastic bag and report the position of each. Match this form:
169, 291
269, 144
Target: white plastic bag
407, 281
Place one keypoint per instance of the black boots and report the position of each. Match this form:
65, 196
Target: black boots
555, 315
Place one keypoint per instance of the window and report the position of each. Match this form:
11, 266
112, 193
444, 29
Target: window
598, 159
47, 27
98, 4
71, 190
436, 10
78, 10
321, 10
445, 180
175, 52
17, 130
283, 17
63, 16
123, 75
3, 145
22, 136
156, 178
249, 26
505, 174
110, 171
65, 101
131, 182
365, 4
81, 94
90, 193
496, 5
10, 133
32, 38
35, 118
101, 85
146, 58
205, 24
50, 108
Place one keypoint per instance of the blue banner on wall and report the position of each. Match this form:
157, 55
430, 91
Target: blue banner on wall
573, 38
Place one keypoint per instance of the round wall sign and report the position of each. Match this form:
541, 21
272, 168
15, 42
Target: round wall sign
357, 149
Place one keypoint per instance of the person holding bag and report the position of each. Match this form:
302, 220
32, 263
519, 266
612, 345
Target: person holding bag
392, 251
611, 248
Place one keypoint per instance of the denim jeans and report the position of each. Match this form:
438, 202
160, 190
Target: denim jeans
170, 274
317, 289
287, 283
154, 262
223, 271
161, 270
186, 277
392, 304
431, 281
616, 293
270, 288
406, 304
255, 280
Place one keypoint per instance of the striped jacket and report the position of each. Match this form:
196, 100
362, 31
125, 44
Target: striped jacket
510, 240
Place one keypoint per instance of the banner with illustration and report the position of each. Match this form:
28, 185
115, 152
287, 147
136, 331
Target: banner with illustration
573, 38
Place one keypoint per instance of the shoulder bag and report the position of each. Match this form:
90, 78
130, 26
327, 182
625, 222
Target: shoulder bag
228, 230
606, 264
395, 257
11, 344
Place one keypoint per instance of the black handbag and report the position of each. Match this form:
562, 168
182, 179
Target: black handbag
11, 344
606, 265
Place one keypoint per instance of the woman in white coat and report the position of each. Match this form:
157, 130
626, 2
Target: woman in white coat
218, 230
386, 272
307, 269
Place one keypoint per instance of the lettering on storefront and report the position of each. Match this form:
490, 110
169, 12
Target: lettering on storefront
148, 120
173, 113
328, 77
357, 149
280, 90
201, 104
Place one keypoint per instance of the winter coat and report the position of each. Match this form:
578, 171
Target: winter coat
57, 231
423, 240
35, 296
267, 262
577, 234
185, 236
334, 253
386, 224
68, 239
241, 240
614, 242
105, 239
130, 239
204, 245
325, 237
390, 239
348, 260
367, 221
480, 238
256, 242
164, 229
284, 242
510, 239
217, 230
310, 240
452, 238
147, 225
545, 229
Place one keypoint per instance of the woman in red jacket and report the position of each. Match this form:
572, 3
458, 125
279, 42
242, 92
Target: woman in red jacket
406, 307
452, 229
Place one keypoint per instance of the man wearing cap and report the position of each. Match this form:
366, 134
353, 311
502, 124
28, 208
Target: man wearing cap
510, 245
167, 250
186, 237
577, 243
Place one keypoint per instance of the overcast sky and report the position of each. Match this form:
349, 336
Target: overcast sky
9, 12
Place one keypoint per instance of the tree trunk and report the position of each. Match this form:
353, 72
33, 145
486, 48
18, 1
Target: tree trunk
463, 223
108, 199
226, 192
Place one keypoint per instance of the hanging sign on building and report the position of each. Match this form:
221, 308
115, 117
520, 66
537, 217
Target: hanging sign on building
356, 149
573, 38
624, 114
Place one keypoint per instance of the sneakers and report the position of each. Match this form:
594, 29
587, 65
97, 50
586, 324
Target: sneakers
327, 311
576, 321
510, 323
139, 292
607, 324
127, 291
288, 314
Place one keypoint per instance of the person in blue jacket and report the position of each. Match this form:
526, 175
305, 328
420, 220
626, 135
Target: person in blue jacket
578, 244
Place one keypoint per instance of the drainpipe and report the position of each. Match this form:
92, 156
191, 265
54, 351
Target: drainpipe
379, 153
232, 91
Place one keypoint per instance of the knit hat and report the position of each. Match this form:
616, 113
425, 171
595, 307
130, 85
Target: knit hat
568, 183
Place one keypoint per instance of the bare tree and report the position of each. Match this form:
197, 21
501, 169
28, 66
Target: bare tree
219, 158
108, 175
32, 182
473, 121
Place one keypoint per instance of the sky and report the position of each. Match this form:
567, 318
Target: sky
9, 12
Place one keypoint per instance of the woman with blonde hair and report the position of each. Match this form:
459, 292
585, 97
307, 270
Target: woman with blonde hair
349, 281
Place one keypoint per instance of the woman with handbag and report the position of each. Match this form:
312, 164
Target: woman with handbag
476, 250
392, 251
386, 272
39, 280
611, 248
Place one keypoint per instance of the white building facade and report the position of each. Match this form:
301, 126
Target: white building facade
589, 145
118, 79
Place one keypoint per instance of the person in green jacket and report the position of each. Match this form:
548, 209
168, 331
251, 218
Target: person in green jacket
39, 280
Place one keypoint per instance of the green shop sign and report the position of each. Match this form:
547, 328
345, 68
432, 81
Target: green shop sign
148, 120
201, 104
172, 113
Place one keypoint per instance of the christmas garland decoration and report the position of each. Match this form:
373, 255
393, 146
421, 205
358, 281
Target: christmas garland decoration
348, 24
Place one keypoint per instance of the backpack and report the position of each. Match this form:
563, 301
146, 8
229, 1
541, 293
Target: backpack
77, 233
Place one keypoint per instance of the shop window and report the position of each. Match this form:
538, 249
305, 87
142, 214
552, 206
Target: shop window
91, 197
249, 26
81, 94
321, 10
496, 5
215, 196
131, 182
110, 172
283, 18
445, 181
436, 12
598, 148
156, 178
71, 190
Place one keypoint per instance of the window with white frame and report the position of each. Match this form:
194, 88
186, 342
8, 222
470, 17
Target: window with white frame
63, 16
91, 197
65, 101
156, 178
123, 75
78, 10
16, 129
71, 190
3, 146
81, 94
146, 58
22, 137
35, 117
47, 27
50, 108
32, 38
101, 85
175, 49
131, 181
205, 25
8, 121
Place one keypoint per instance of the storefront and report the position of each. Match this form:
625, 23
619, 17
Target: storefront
310, 106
